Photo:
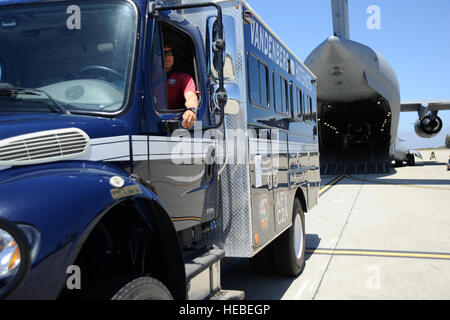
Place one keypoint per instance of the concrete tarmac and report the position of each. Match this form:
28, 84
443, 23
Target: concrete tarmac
370, 237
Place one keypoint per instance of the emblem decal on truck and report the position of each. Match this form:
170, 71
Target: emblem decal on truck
124, 192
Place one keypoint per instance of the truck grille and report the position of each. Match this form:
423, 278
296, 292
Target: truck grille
44, 146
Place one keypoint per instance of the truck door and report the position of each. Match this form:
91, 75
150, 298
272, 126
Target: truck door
176, 164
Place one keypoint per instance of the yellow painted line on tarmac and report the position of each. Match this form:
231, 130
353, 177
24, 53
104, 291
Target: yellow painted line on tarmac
381, 253
331, 183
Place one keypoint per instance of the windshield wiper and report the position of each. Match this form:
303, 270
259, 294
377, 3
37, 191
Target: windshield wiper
12, 92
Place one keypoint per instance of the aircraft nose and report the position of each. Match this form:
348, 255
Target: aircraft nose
333, 39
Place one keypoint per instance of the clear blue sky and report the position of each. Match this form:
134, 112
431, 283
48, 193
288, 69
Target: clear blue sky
414, 37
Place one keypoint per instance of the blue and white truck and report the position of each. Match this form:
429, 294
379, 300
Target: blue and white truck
103, 193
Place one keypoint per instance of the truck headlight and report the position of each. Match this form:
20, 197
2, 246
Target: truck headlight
15, 256
9, 254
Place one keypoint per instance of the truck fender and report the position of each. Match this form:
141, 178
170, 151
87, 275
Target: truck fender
64, 202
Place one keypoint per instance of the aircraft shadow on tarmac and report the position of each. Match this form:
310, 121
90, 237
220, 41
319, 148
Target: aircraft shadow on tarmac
383, 179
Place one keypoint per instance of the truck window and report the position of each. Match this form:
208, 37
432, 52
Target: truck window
184, 65
277, 92
293, 98
263, 79
313, 109
284, 96
280, 88
300, 104
307, 107
257, 78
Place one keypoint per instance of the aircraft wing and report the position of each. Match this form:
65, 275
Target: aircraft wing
417, 106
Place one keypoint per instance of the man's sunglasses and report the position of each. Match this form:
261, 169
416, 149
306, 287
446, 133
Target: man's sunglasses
168, 53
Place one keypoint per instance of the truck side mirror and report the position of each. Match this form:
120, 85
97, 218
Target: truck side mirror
222, 56
218, 45
232, 105
229, 55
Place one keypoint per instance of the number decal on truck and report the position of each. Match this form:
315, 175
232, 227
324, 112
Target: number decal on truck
281, 211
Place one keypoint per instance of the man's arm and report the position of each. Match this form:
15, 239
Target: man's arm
189, 117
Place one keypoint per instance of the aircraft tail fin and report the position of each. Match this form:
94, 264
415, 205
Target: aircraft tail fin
341, 25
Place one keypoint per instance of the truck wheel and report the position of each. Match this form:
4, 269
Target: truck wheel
289, 249
143, 288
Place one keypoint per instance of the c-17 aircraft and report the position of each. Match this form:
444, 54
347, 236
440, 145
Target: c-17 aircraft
359, 105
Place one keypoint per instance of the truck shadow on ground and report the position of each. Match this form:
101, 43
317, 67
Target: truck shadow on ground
238, 275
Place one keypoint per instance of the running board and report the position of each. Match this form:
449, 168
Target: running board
203, 278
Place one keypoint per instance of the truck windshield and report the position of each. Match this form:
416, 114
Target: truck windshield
79, 52
38, 98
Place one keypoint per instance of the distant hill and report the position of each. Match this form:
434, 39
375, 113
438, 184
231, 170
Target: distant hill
413, 141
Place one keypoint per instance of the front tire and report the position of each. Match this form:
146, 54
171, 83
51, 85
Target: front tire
143, 288
289, 250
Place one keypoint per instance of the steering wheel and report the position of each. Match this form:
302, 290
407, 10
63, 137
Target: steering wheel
102, 69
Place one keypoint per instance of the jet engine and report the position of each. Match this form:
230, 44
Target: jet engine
428, 127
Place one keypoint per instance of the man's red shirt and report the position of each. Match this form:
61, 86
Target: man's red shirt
177, 85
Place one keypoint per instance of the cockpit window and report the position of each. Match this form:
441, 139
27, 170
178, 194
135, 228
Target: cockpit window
79, 52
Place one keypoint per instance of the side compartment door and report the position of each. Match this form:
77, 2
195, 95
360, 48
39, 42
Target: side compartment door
281, 195
261, 178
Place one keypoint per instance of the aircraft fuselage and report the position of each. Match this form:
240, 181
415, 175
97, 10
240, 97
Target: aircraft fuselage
358, 97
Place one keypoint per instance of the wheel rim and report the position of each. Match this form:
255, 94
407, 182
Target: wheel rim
298, 236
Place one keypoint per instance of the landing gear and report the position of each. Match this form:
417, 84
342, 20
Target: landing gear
410, 160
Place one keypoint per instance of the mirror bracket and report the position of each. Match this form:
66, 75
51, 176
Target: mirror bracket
218, 45
153, 9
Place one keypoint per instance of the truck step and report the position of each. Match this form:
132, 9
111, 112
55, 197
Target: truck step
203, 275
199, 264
228, 295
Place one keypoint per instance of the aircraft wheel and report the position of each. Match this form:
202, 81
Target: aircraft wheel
411, 161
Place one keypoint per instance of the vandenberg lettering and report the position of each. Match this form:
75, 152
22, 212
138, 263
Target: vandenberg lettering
264, 42
269, 46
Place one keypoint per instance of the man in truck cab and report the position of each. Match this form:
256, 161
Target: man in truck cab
180, 88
